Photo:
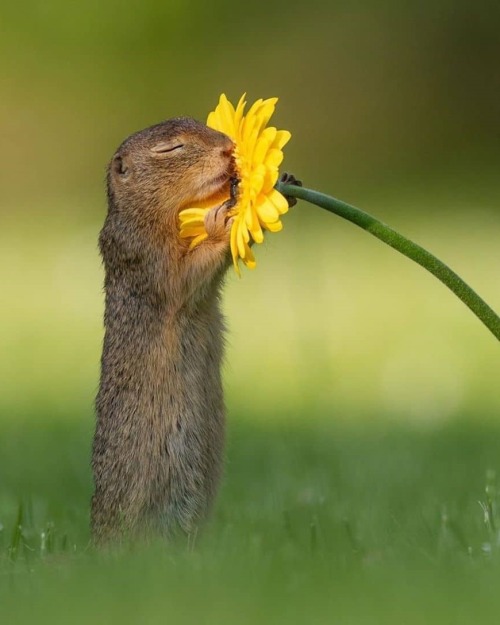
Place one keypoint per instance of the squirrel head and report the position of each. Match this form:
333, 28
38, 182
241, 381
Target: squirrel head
160, 170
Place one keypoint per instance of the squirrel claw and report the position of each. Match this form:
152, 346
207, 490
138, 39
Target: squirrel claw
290, 179
217, 220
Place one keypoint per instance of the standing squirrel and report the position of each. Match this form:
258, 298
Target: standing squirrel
158, 444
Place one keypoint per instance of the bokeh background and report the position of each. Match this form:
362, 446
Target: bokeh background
392, 106
394, 109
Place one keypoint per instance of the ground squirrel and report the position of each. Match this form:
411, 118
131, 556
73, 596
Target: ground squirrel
158, 445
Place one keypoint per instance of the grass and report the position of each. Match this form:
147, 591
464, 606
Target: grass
314, 524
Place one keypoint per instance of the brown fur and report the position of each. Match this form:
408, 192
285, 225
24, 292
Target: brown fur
158, 443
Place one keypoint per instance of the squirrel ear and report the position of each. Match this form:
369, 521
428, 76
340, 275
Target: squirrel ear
120, 166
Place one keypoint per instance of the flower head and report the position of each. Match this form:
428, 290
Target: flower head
258, 155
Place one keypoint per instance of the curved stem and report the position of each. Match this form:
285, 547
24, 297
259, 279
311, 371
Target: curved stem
418, 254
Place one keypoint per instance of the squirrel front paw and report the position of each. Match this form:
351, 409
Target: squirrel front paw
218, 220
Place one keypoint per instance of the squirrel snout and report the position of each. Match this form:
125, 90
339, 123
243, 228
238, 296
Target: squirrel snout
228, 149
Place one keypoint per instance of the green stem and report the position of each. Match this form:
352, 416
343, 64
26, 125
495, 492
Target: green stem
448, 277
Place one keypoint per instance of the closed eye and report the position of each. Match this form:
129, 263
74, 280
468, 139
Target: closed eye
163, 148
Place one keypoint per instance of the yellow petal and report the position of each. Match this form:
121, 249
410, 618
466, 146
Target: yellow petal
244, 232
270, 179
250, 121
275, 226
240, 239
234, 244
215, 119
266, 210
189, 213
192, 231
253, 224
257, 234
251, 142
265, 111
226, 112
257, 179
274, 158
279, 201
261, 148
240, 108
197, 240
194, 221
269, 134
249, 258
212, 120
251, 217
252, 111
281, 139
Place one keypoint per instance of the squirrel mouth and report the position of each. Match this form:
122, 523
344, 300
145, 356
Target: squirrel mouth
220, 179
213, 191
218, 188
218, 184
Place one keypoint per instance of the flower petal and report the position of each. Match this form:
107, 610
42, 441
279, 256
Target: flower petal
257, 179
279, 201
266, 111
238, 116
226, 113
234, 245
275, 226
281, 139
250, 217
266, 210
191, 231
257, 234
194, 221
197, 240
274, 158
242, 238
249, 122
270, 179
249, 258
189, 213
261, 148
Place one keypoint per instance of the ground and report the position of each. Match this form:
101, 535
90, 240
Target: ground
314, 524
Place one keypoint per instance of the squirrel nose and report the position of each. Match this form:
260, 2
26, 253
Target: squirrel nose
228, 149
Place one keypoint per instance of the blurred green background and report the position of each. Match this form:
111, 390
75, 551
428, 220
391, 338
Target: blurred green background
361, 394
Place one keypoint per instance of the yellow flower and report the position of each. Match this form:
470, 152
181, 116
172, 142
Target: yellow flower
258, 154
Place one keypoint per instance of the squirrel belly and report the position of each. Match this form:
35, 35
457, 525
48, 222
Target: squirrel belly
158, 445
